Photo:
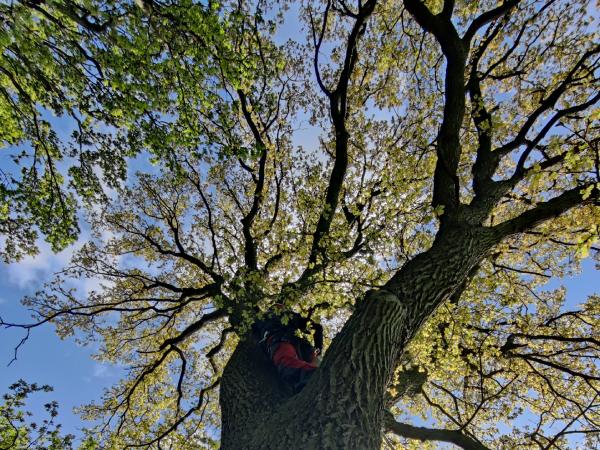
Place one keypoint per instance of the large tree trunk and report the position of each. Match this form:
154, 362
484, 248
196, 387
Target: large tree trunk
343, 404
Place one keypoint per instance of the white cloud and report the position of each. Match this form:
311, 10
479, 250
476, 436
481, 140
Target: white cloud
32, 271
101, 371
106, 370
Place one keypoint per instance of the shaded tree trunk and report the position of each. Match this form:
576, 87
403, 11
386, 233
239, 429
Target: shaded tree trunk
343, 404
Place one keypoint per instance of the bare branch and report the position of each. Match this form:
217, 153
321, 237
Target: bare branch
181, 253
197, 185
560, 367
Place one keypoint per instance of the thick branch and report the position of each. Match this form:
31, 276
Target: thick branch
486, 162
431, 434
488, 17
448, 8
317, 42
249, 244
446, 183
546, 210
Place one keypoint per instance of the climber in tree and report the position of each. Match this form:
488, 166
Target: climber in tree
294, 356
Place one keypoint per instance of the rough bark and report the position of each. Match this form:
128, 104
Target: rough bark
250, 372
343, 406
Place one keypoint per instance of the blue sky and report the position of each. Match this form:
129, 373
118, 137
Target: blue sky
45, 358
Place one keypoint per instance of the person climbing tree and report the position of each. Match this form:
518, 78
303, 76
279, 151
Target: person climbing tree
293, 356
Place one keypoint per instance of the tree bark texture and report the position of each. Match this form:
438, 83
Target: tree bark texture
343, 404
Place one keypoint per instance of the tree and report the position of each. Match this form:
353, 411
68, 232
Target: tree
17, 432
456, 170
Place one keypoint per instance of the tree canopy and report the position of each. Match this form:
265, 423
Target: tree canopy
17, 431
339, 158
